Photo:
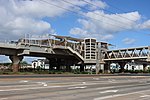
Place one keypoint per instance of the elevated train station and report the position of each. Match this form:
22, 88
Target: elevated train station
69, 51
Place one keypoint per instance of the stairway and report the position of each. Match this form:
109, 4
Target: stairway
75, 52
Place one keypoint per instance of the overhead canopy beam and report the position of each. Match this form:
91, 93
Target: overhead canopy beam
68, 38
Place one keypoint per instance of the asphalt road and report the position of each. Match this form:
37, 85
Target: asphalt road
75, 88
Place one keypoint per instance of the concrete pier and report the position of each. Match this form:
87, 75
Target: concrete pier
15, 62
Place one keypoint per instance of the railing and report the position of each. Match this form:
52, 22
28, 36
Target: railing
75, 52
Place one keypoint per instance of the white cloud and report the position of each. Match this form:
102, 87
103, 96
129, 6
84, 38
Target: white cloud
129, 41
96, 4
112, 22
19, 17
22, 25
85, 34
15, 22
104, 26
145, 25
24, 16
36, 8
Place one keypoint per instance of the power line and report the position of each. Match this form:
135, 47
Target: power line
81, 14
94, 12
118, 8
110, 12
58, 6
106, 10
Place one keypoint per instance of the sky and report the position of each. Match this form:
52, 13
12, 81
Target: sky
123, 23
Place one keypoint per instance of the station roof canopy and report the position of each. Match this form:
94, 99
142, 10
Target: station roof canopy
68, 38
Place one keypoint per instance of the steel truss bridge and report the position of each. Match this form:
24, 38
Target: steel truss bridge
128, 54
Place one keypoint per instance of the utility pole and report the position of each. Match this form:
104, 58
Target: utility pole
98, 56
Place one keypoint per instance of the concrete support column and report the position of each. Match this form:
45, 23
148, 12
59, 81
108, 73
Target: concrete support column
50, 65
68, 64
122, 64
82, 68
107, 67
144, 67
102, 68
148, 59
97, 68
68, 68
58, 64
15, 62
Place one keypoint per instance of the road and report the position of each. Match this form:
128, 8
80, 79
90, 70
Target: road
75, 88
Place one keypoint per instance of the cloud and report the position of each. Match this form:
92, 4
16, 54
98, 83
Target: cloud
85, 34
16, 20
145, 25
104, 26
129, 41
26, 16
36, 8
19, 17
79, 31
96, 4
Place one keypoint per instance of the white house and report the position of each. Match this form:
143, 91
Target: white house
115, 67
133, 66
40, 63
